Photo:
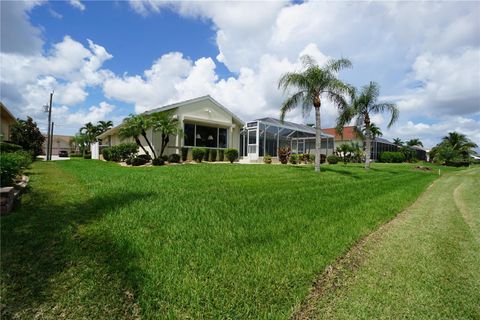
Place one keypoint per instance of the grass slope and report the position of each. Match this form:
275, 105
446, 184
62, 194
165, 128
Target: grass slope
95, 240
425, 266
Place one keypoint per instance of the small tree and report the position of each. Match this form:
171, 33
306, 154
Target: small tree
164, 123
134, 127
25, 133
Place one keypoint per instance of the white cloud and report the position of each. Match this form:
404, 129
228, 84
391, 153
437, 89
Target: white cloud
77, 4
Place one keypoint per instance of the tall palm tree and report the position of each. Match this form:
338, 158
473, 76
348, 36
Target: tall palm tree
362, 106
164, 123
398, 142
311, 85
414, 142
133, 127
460, 143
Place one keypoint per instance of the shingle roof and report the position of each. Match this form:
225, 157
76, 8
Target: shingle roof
349, 133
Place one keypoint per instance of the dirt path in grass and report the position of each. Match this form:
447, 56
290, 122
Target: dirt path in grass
425, 263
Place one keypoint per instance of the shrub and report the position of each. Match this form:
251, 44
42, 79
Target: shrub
106, 153
221, 155
267, 159
184, 154
158, 162
10, 167
333, 159
6, 147
24, 158
164, 157
206, 155
392, 157
138, 161
87, 156
78, 155
147, 157
231, 154
293, 159
198, 154
457, 163
126, 150
311, 158
213, 155
174, 158
283, 154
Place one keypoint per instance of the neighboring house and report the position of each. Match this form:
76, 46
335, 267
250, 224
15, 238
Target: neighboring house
422, 154
59, 142
7, 121
264, 136
350, 134
204, 122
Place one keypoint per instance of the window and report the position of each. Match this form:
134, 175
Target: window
203, 136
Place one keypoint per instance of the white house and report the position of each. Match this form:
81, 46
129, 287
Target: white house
204, 122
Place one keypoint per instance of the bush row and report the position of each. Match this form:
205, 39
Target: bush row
200, 154
333, 159
392, 157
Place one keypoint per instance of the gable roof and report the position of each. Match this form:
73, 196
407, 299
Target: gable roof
177, 105
6, 112
349, 133
190, 101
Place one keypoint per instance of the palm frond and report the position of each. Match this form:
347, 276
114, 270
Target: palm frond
291, 103
334, 65
391, 107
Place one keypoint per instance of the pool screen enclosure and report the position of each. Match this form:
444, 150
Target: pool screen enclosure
264, 136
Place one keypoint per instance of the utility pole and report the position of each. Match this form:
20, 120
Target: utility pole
51, 140
48, 155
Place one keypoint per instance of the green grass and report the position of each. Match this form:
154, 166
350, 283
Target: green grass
426, 265
95, 240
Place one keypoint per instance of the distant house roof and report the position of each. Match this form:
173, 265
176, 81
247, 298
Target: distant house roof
59, 137
176, 105
291, 125
349, 133
382, 140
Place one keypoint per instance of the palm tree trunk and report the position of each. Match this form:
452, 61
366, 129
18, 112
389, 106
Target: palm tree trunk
318, 137
140, 145
144, 134
368, 148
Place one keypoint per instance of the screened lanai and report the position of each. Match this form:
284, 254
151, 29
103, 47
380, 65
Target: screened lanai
264, 136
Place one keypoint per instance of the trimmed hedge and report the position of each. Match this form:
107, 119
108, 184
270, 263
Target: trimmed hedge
457, 163
6, 147
221, 155
206, 155
392, 157
158, 162
198, 154
231, 154
333, 159
174, 158
138, 161
120, 152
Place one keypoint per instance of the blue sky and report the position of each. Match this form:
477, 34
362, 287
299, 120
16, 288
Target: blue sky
108, 59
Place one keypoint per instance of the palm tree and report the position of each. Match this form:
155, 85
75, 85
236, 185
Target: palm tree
361, 107
375, 131
414, 142
90, 131
164, 123
398, 142
133, 127
459, 143
104, 126
310, 85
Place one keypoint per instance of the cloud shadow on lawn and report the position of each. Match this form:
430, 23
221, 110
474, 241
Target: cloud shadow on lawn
41, 241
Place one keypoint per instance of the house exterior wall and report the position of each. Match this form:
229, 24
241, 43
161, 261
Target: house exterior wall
59, 143
204, 112
5, 124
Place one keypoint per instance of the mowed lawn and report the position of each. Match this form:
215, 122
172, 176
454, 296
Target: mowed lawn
425, 265
96, 240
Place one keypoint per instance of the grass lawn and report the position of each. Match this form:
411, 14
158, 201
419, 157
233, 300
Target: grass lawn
96, 240
424, 265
